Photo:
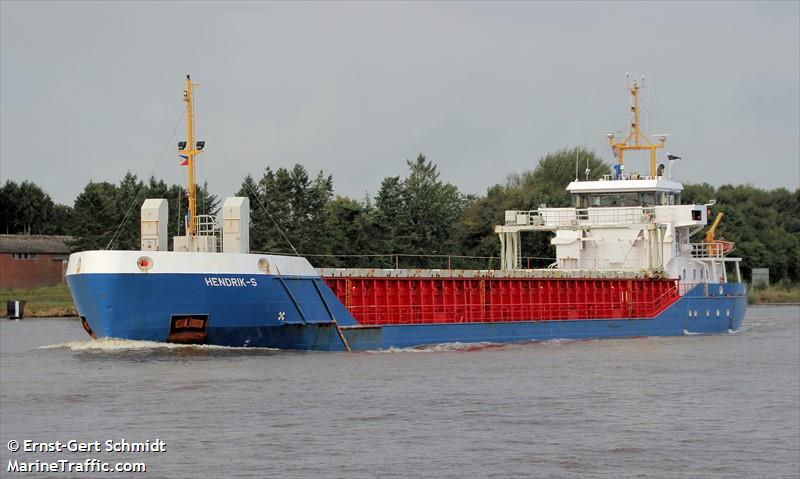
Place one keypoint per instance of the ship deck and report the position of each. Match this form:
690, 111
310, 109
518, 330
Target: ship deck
486, 273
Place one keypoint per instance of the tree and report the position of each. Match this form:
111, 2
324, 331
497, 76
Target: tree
287, 205
128, 198
61, 220
176, 204
95, 217
348, 233
418, 215
429, 210
252, 190
765, 225
475, 231
388, 208
108, 216
26, 209
9, 208
545, 184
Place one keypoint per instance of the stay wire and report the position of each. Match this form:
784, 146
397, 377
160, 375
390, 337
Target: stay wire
133, 203
256, 196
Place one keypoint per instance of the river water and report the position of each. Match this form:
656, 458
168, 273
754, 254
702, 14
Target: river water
694, 406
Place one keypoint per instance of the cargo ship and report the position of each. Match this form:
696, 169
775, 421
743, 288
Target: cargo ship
625, 266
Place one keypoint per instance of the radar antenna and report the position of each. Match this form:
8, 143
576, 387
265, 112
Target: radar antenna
636, 140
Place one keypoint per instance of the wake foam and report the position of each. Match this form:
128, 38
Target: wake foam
741, 329
440, 348
113, 345
458, 346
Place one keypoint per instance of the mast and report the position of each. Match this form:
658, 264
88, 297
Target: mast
632, 142
188, 149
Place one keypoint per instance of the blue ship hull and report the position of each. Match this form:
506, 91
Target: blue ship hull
298, 313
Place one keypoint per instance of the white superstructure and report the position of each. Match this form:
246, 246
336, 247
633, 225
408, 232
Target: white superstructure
622, 224
626, 224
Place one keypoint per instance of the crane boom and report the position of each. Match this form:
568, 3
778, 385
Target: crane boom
711, 231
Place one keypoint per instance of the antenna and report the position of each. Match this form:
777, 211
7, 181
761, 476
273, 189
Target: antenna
671, 159
577, 151
636, 139
587, 168
647, 110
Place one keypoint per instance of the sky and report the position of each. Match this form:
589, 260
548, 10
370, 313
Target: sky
91, 90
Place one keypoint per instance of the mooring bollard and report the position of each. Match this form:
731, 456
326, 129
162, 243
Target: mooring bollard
15, 309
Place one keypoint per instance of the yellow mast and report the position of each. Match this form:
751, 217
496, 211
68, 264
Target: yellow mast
189, 149
632, 141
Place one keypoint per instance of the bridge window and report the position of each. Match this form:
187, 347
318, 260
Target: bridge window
647, 198
615, 199
624, 199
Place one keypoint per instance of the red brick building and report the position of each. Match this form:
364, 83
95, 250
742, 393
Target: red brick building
29, 261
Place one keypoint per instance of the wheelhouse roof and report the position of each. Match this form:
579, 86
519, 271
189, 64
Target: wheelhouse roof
624, 186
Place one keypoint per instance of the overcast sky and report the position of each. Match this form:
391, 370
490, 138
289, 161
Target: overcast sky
90, 90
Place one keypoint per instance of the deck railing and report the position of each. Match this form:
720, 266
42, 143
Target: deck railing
206, 225
709, 250
631, 176
565, 217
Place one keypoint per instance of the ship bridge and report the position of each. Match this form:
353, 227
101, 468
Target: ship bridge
628, 190
626, 223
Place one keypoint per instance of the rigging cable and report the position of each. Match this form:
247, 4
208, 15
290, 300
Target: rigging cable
172, 137
257, 197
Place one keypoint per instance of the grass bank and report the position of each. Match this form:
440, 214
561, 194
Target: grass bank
49, 301
774, 294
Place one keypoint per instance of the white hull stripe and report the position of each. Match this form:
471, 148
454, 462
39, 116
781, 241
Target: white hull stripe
92, 262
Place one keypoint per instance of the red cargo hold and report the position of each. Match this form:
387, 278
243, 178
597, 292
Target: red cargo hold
393, 300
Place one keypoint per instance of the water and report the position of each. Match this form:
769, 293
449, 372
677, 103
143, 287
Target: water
695, 406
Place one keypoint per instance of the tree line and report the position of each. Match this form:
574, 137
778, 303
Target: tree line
417, 220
